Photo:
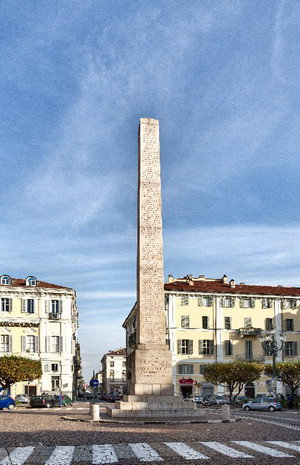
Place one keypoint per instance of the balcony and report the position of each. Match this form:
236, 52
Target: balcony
54, 316
250, 358
241, 332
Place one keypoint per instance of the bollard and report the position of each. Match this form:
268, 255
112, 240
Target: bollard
226, 412
95, 412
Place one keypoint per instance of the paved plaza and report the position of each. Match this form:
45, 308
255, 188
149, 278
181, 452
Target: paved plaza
42, 436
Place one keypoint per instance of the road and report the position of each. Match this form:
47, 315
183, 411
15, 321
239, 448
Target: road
42, 437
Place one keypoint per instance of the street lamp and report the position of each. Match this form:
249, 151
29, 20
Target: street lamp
273, 343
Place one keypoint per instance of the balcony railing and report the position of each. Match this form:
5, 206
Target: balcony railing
248, 332
54, 316
249, 358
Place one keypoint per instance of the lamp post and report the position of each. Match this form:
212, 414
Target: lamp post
273, 343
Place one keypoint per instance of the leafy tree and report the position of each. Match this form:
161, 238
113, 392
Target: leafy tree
14, 369
286, 372
233, 375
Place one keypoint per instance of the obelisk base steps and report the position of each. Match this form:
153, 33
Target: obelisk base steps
153, 407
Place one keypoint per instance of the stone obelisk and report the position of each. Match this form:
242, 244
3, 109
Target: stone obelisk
151, 360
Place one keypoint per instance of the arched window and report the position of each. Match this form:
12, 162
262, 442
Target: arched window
30, 281
5, 279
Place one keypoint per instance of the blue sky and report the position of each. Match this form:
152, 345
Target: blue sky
76, 77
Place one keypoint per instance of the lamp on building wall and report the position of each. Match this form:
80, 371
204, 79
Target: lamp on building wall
273, 343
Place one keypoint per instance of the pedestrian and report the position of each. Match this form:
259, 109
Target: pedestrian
60, 400
291, 401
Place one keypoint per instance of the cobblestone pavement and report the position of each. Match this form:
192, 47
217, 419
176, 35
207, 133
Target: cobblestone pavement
40, 436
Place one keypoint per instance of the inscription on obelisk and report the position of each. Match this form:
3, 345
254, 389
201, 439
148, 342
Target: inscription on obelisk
151, 359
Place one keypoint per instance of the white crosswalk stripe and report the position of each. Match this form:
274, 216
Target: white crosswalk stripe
145, 453
263, 449
287, 445
185, 451
225, 450
18, 456
62, 455
104, 454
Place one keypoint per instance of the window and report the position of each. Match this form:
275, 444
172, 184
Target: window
227, 302
269, 324
266, 303
28, 305
291, 304
202, 368
205, 301
5, 343
6, 304
185, 300
267, 348
291, 349
205, 322
206, 347
30, 343
186, 369
55, 383
124, 375
54, 367
228, 347
289, 324
184, 346
55, 346
227, 322
246, 303
31, 281
54, 306
248, 350
247, 322
185, 321
124, 363
5, 280
112, 375
112, 364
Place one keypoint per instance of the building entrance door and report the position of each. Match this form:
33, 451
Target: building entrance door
250, 390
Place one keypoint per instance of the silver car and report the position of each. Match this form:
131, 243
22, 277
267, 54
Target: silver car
263, 403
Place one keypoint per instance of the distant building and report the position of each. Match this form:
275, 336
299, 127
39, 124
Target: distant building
39, 320
213, 320
114, 372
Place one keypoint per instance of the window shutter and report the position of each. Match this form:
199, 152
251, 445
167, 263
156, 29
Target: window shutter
294, 303
10, 305
24, 309
241, 303
10, 343
210, 301
47, 306
252, 302
200, 301
190, 346
23, 343
264, 303
46, 368
36, 344
48, 344
61, 348
212, 348
295, 350
33, 304
201, 347
232, 301
222, 301
60, 306
179, 346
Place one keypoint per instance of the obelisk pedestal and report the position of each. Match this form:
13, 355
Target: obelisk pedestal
151, 392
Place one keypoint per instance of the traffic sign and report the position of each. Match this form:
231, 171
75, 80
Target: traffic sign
95, 383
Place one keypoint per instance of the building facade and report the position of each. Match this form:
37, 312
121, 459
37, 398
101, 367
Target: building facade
114, 379
214, 320
39, 320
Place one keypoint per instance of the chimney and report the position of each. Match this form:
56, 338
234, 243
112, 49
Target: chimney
225, 279
232, 283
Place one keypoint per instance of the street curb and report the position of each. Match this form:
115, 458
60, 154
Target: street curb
150, 422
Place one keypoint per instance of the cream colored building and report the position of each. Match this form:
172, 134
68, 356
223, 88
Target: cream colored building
114, 372
39, 320
216, 320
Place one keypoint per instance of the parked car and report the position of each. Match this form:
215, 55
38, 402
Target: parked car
44, 400
215, 400
196, 398
7, 402
22, 398
263, 403
242, 400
